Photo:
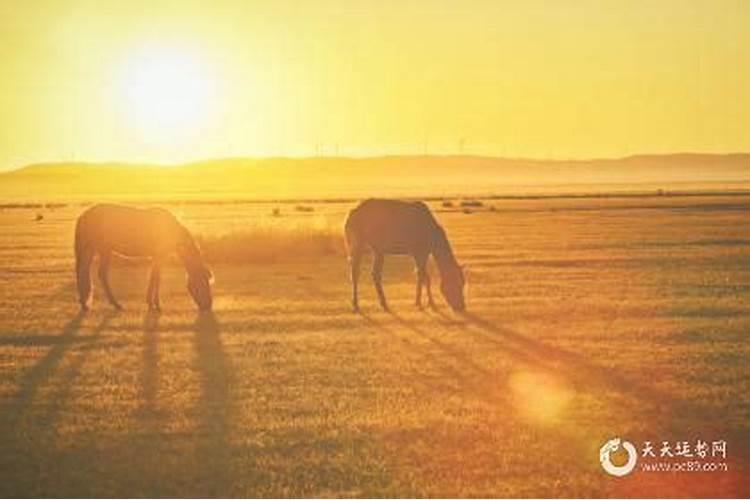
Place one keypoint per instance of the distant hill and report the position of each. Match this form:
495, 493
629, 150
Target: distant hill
335, 177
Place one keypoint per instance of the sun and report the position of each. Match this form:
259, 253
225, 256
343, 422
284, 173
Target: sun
170, 94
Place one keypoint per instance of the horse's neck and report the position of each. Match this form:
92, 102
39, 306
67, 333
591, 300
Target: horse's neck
191, 262
442, 251
189, 254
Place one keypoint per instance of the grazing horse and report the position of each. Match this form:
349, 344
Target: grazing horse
398, 227
133, 232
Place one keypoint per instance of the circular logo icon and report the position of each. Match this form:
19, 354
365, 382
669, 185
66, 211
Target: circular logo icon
610, 447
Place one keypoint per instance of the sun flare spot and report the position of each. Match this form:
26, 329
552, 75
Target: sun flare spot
541, 398
170, 94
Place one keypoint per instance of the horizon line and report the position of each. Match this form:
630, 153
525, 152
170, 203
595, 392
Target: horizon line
169, 165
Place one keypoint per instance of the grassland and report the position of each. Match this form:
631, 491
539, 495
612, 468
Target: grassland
589, 319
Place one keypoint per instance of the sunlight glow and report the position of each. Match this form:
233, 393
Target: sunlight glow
540, 397
170, 95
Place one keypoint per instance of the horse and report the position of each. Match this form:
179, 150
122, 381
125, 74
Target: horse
130, 232
402, 228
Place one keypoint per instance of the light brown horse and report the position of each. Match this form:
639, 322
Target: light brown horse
398, 227
104, 230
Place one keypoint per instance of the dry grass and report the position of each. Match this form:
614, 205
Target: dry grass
271, 243
588, 319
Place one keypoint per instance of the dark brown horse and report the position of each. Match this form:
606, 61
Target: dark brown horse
398, 227
132, 232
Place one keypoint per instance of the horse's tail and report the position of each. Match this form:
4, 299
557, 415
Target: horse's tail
84, 255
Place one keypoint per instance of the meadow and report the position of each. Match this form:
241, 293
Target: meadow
588, 318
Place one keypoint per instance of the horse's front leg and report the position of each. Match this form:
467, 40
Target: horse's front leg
377, 278
104, 260
152, 294
423, 280
419, 263
426, 281
418, 299
354, 262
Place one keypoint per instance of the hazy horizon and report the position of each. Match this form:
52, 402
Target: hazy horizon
177, 164
389, 176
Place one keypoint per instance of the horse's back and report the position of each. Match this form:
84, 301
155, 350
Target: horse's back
392, 226
127, 230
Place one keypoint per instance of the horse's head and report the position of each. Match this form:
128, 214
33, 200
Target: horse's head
199, 285
199, 277
452, 283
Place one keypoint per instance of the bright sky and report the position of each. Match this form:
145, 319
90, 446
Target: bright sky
170, 81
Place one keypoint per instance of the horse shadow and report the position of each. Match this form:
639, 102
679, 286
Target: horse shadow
462, 380
36, 376
211, 412
573, 367
213, 408
445, 347
576, 368
150, 357
28, 417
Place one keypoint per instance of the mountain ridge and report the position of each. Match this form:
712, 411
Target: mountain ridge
681, 156
394, 175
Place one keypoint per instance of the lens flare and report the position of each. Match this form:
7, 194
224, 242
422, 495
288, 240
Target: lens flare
541, 398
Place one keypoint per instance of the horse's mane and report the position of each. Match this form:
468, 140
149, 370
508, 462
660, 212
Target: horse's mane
441, 248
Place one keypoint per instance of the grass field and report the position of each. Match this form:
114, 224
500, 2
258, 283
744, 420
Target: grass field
588, 319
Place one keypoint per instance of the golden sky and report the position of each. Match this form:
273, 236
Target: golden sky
171, 81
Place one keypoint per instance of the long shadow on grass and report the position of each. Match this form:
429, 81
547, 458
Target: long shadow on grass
448, 349
214, 453
577, 368
151, 437
545, 358
554, 360
22, 464
427, 361
42, 371
683, 416
150, 373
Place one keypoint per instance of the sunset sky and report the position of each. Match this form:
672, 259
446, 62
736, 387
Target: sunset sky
173, 81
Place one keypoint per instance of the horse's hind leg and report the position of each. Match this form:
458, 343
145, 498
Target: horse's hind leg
355, 260
423, 279
84, 258
377, 278
104, 259
426, 281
